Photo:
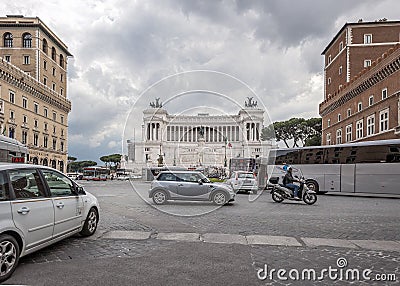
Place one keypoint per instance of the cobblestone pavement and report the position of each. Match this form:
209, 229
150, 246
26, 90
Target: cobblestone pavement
122, 209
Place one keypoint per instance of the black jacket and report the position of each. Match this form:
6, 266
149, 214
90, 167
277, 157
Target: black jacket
288, 179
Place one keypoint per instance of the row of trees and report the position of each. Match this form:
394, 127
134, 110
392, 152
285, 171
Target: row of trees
112, 161
299, 131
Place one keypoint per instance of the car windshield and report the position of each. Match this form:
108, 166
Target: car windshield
246, 176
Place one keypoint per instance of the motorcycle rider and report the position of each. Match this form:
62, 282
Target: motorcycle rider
288, 182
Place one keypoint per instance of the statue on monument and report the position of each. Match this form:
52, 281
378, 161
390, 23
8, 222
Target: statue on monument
250, 102
157, 104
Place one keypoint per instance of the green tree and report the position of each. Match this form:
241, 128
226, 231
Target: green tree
78, 166
301, 131
114, 159
268, 133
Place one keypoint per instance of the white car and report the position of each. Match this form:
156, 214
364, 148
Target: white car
243, 181
39, 206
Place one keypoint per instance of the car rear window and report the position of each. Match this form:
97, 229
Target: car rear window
246, 176
26, 183
166, 177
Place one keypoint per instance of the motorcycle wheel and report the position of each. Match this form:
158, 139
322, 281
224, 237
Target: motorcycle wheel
277, 197
309, 199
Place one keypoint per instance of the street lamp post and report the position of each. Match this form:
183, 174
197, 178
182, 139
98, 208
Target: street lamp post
225, 163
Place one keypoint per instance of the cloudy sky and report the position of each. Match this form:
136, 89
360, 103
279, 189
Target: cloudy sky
123, 47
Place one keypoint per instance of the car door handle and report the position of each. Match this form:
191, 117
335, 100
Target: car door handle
180, 185
60, 205
23, 210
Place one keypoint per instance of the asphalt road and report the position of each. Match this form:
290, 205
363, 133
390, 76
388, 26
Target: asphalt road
196, 243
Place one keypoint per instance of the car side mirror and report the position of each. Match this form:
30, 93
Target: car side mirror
200, 181
80, 190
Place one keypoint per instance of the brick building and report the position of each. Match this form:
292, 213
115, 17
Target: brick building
362, 83
33, 87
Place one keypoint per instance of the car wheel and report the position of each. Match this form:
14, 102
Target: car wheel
219, 198
9, 256
91, 221
160, 197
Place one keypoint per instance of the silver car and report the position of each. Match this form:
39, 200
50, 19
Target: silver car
188, 185
243, 181
39, 206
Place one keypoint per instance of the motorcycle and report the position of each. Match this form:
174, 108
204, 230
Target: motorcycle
280, 192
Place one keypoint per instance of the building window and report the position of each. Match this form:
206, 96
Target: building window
36, 139
371, 100
384, 93
339, 136
25, 119
62, 132
367, 38
45, 46
328, 139
8, 40
62, 146
329, 59
349, 112
27, 60
371, 125
62, 63
7, 58
61, 91
11, 133
44, 65
35, 107
359, 106
54, 86
24, 102
339, 117
384, 120
54, 143
53, 53
54, 116
12, 97
62, 119
27, 40
367, 63
45, 112
45, 141
61, 77
349, 133
340, 69
24, 137
54, 71
359, 129
12, 114
340, 46
36, 124
54, 129
45, 127
329, 122
329, 80
45, 80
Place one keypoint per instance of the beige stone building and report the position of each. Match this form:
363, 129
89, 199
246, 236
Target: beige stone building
33, 89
